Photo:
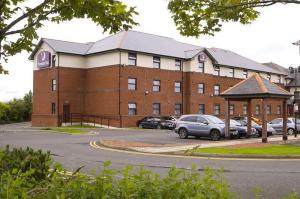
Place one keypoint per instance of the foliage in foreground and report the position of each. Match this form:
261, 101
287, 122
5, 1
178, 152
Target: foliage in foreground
26, 174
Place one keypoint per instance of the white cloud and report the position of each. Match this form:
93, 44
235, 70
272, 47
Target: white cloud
267, 39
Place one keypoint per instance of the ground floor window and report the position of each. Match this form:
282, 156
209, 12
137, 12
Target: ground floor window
131, 108
217, 109
178, 109
231, 109
245, 109
278, 110
269, 111
156, 108
257, 110
53, 108
201, 109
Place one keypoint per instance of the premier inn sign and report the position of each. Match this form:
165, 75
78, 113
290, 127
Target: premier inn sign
44, 59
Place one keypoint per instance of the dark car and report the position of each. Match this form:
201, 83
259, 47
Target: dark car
162, 122
242, 130
270, 130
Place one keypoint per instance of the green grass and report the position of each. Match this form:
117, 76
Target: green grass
266, 150
75, 129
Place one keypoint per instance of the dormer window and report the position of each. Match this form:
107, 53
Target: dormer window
217, 70
245, 74
269, 76
132, 59
231, 72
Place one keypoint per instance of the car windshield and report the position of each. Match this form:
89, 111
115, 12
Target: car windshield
298, 121
234, 123
214, 120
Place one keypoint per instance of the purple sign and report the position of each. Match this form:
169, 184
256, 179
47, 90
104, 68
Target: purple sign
202, 57
43, 59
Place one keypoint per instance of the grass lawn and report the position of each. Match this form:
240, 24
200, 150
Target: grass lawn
265, 150
75, 129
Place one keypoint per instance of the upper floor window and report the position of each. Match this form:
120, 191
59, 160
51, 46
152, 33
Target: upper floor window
156, 108
53, 108
178, 64
53, 60
156, 86
278, 78
132, 59
201, 109
245, 74
201, 67
131, 83
132, 108
269, 76
231, 109
178, 109
231, 72
217, 70
201, 88
177, 87
217, 89
156, 62
53, 85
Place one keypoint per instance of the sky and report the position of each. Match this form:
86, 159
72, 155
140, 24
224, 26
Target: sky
267, 39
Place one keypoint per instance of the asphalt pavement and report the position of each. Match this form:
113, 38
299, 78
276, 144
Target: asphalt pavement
276, 177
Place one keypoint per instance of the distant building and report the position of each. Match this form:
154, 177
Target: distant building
132, 74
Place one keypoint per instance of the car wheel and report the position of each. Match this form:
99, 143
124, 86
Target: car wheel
215, 135
183, 134
141, 126
159, 126
290, 131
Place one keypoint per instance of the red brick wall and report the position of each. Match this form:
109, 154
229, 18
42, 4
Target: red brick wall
96, 92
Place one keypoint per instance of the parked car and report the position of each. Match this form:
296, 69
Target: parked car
160, 122
277, 124
254, 119
242, 130
270, 130
202, 126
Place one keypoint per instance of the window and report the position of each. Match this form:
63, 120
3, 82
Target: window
231, 109
245, 109
177, 87
217, 109
178, 64
269, 76
189, 119
131, 108
201, 109
53, 108
201, 88
201, 67
156, 108
53, 85
156, 86
217, 70
53, 60
269, 111
231, 72
216, 89
156, 62
279, 79
178, 110
257, 110
132, 59
278, 110
201, 120
132, 84
245, 74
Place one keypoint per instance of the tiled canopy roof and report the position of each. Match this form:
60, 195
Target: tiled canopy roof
255, 87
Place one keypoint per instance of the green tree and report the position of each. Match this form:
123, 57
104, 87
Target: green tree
198, 17
4, 110
20, 19
27, 103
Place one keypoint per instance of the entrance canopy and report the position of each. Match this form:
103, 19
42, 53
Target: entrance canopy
256, 87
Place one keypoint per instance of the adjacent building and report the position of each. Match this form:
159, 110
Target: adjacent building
132, 74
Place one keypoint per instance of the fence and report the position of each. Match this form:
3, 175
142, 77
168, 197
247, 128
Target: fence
91, 119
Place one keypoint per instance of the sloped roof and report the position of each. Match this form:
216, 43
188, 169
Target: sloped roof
277, 67
255, 87
154, 44
229, 58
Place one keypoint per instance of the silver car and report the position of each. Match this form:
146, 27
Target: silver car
202, 126
277, 125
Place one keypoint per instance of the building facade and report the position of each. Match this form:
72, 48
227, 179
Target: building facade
131, 75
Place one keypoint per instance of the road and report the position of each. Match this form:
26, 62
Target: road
276, 177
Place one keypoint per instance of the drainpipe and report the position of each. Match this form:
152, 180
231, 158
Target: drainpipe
182, 95
120, 62
57, 90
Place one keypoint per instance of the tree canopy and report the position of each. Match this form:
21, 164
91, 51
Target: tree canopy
200, 17
20, 19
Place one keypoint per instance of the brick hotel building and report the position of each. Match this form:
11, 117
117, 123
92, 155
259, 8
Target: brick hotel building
132, 74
